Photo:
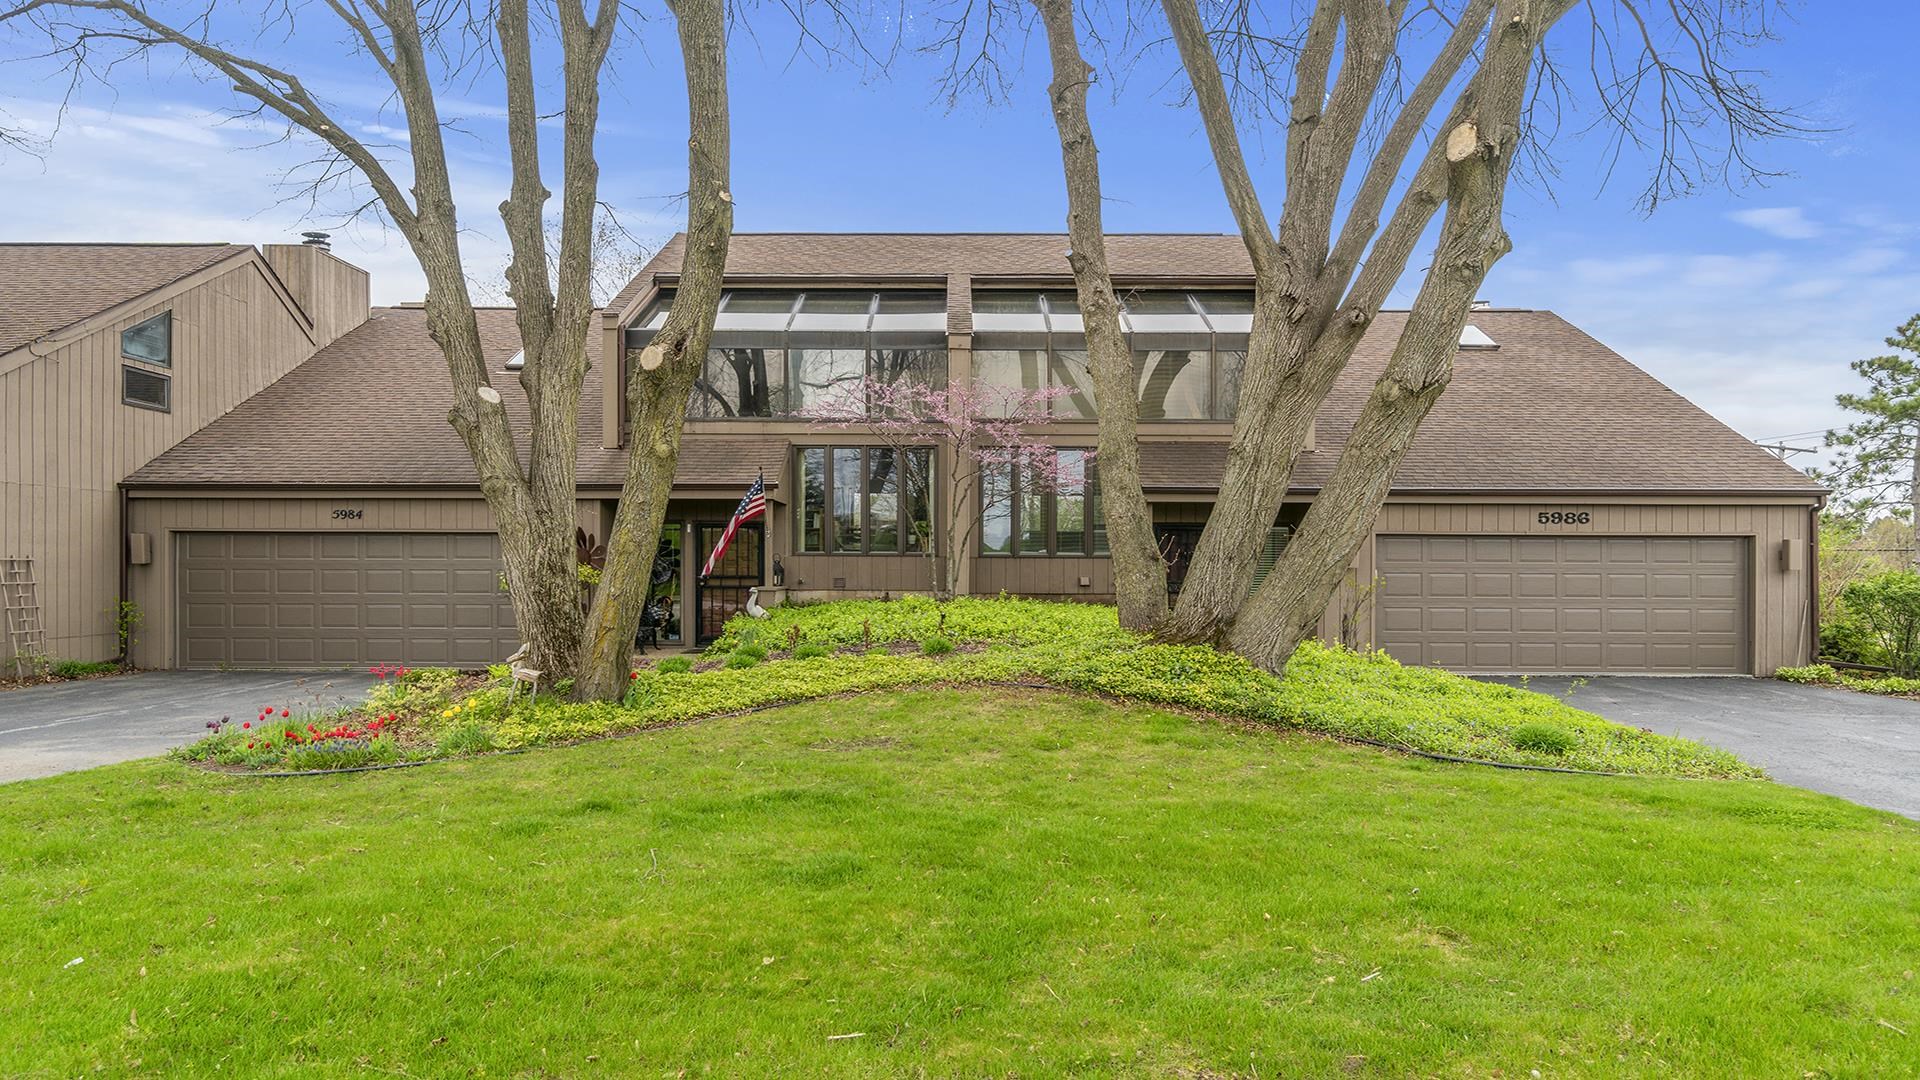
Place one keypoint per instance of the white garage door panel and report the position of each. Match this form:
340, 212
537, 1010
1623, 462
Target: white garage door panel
331, 600
1573, 604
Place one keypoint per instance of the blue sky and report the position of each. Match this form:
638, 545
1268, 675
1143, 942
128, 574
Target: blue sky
1750, 301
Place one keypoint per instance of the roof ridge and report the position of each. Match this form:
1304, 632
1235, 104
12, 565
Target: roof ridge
122, 243
956, 232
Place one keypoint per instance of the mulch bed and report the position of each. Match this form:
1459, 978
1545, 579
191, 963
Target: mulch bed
15, 682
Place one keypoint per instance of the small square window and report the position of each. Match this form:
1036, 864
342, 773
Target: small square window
150, 342
146, 389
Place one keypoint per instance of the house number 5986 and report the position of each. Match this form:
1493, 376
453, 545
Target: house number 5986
1566, 517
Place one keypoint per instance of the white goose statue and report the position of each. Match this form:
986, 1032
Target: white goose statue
753, 608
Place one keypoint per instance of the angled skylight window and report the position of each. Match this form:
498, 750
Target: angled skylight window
921, 312
1006, 311
1472, 337
656, 316
1151, 312
833, 311
517, 361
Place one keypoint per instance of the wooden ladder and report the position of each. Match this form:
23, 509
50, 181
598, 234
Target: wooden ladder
21, 595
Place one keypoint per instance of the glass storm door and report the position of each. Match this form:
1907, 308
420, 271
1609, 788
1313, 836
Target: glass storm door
724, 593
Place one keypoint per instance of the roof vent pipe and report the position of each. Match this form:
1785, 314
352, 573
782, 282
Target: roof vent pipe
317, 239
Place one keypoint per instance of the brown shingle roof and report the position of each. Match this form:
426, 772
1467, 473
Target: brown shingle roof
1192, 256
371, 410
1550, 410
45, 288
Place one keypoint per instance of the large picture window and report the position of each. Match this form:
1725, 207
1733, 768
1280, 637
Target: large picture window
1026, 511
865, 500
740, 382
779, 352
1188, 348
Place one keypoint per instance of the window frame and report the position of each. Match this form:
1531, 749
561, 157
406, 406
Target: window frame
1090, 500
167, 317
166, 384
902, 524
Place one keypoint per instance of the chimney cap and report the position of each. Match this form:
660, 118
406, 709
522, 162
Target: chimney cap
317, 239
1481, 304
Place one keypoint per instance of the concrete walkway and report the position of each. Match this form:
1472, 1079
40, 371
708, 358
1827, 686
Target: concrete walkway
61, 727
1857, 746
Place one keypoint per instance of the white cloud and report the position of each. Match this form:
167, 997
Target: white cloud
1759, 340
1731, 271
1785, 222
1594, 271
168, 171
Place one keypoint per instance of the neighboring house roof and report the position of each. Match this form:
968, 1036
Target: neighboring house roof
371, 410
1187, 256
46, 288
1550, 410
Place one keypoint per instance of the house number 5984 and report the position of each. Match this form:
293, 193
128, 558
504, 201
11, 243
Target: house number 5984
1566, 517
348, 513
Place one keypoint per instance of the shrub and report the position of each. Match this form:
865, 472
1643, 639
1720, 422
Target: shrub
1542, 739
80, 669
1888, 606
1845, 638
811, 650
1811, 673
413, 690
1326, 689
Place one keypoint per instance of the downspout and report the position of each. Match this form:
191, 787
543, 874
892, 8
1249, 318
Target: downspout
126, 579
1813, 579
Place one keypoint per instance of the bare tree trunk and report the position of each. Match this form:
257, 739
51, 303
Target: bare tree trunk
532, 505
1478, 153
1139, 573
661, 378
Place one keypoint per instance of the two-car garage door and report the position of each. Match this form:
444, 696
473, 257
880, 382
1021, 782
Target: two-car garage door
1565, 604
327, 600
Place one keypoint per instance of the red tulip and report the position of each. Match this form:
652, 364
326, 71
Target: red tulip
247, 724
286, 712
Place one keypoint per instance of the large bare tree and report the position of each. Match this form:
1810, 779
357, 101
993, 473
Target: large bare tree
1379, 140
420, 50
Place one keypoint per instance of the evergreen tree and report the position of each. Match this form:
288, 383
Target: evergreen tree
1876, 466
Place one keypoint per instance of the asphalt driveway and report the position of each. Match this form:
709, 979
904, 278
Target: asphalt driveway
1856, 746
76, 725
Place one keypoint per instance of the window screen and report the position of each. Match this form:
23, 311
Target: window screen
146, 389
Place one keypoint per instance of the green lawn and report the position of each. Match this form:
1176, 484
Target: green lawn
975, 883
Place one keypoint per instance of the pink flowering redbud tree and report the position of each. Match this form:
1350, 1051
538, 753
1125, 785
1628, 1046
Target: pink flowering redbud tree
988, 434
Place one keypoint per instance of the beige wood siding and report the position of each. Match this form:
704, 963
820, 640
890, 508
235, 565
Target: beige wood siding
331, 291
66, 440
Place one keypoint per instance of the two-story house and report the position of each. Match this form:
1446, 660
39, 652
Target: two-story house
110, 354
1560, 510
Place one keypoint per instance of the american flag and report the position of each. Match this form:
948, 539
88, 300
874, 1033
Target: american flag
754, 505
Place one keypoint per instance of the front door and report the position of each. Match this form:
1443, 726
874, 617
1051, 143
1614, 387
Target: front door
724, 592
1176, 547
